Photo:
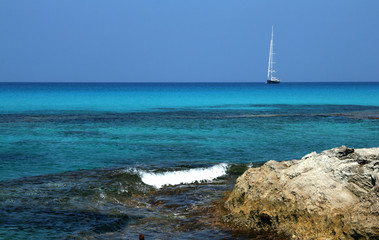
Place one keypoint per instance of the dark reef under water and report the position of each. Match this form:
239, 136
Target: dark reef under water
113, 204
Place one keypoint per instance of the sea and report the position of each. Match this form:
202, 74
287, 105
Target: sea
116, 160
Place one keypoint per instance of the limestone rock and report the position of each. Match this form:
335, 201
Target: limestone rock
331, 195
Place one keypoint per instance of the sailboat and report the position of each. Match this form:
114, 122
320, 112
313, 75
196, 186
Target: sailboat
270, 78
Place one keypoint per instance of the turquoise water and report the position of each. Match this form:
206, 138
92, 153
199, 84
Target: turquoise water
51, 134
50, 128
121, 97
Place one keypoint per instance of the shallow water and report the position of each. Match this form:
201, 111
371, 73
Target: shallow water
92, 160
108, 204
43, 143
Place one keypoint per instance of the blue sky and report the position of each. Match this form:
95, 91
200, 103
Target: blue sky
188, 41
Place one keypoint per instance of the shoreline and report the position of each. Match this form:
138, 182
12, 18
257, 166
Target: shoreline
206, 209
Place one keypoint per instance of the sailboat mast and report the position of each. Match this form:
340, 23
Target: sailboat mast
272, 52
270, 56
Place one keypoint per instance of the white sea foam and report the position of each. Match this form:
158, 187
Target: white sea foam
186, 176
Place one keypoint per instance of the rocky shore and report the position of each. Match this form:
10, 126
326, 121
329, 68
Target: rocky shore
331, 195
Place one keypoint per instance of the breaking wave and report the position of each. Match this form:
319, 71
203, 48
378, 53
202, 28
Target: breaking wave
159, 180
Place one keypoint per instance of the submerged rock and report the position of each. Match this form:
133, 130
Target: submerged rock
331, 195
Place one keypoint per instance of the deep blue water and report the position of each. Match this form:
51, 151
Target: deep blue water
85, 134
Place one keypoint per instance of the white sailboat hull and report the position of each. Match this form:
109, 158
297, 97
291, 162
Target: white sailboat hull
273, 81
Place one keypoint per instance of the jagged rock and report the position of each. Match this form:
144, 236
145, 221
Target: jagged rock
332, 195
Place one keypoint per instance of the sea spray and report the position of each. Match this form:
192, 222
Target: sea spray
185, 176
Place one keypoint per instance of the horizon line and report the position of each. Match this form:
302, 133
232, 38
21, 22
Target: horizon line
195, 82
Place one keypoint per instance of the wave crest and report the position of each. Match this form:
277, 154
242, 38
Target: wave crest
184, 177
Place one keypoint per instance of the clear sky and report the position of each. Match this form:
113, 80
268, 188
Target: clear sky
188, 41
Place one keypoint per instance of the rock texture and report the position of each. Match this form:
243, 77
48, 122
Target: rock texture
332, 195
